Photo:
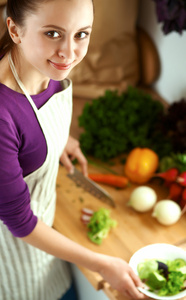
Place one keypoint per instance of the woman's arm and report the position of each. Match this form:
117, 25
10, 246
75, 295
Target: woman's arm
114, 270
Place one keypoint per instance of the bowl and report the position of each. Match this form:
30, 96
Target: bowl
157, 251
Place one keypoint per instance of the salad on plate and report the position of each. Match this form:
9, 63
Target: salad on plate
163, 277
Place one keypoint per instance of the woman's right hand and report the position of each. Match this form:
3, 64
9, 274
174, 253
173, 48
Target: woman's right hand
72, 151
121, 277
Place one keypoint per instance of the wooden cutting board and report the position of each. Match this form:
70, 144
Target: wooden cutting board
134, 230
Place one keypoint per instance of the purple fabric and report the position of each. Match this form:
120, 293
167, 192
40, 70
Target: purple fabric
22, 150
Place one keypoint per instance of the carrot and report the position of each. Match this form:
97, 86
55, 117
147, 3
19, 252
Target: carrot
110, 179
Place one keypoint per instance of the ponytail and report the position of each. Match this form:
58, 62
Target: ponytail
6, 43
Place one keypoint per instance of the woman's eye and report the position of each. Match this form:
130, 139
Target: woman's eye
52, 34
82, 35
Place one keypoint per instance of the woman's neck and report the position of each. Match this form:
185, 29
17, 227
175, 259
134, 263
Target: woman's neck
33, 81
6, 76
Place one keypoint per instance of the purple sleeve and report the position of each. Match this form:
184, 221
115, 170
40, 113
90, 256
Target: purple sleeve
15, 210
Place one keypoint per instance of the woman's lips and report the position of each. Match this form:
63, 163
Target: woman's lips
60, 66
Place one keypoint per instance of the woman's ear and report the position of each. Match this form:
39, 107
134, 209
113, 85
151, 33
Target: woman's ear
13, 31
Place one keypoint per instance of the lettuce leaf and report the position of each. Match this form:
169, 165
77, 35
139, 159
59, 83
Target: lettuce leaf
174, 284
147, 267
151, 275
100, 225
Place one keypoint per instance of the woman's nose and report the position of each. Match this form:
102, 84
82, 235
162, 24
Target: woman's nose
66, 49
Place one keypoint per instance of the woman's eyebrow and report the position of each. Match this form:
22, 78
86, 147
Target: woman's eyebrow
62, 29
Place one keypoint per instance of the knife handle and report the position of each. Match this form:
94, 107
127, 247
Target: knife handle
110, 292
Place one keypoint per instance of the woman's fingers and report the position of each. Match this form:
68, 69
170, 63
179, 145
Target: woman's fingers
72, 151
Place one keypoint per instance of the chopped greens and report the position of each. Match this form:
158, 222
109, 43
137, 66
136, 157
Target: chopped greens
100, 225
147, 267
152, 273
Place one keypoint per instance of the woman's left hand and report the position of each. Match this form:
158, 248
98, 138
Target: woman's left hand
121, 277
72, 151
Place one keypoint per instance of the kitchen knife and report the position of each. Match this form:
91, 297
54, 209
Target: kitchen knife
91, 187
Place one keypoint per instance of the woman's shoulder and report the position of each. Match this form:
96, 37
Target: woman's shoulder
6, 93
11, 109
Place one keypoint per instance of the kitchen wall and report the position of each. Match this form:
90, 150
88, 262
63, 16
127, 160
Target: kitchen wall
171, 84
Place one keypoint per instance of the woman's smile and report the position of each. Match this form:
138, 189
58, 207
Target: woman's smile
59, 66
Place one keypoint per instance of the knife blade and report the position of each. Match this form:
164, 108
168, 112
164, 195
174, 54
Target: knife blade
91, 187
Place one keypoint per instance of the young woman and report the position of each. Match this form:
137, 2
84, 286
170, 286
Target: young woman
45, 39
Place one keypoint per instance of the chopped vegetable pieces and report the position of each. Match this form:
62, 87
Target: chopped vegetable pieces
147, 267
100, 225
152, 273
156, 281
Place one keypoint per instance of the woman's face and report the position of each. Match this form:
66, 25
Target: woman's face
56, 37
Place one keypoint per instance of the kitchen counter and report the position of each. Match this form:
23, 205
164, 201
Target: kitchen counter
134, 230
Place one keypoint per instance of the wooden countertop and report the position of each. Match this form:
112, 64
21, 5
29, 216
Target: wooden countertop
134, 229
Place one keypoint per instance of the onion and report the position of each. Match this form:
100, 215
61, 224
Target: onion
87, 211
167, 212
142, 198
85, 219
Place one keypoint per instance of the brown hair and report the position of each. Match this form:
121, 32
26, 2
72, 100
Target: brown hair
17, 10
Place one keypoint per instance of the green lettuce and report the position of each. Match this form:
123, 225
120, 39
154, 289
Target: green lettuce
153, 276
147, 267
100, 225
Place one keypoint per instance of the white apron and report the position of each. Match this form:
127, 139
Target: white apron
27, 273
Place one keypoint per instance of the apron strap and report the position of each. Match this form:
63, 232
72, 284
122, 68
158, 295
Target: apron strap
19, 82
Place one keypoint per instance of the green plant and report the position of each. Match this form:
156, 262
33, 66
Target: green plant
114, 124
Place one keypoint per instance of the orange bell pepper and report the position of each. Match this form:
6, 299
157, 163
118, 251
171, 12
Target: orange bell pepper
141, 164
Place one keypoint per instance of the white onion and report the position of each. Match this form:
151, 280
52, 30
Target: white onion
142, 198
167, 212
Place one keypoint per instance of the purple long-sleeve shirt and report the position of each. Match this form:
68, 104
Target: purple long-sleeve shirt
22, 150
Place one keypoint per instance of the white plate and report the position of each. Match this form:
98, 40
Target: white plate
158, 251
